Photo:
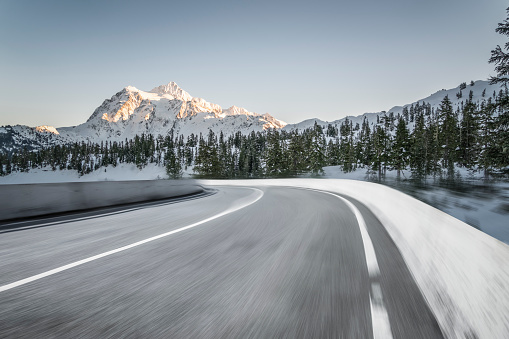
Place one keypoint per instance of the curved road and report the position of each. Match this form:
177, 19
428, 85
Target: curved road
239, 263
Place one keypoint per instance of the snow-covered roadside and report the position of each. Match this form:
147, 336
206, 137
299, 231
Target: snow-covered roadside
462, 272
483, 206
121, 172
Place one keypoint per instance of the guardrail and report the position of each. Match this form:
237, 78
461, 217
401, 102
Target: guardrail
27, 200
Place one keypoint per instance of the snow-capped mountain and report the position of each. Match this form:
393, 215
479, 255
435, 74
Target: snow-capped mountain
132, 111
168, 107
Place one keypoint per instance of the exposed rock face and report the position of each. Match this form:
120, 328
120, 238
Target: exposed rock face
46, 129
198, 105
128, 107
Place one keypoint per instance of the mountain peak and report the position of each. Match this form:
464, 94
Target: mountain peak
174, 90
131, 89
234, 110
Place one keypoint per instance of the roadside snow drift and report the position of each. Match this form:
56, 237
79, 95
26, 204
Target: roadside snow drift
462, 272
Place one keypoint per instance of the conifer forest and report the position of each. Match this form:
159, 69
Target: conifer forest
420, 143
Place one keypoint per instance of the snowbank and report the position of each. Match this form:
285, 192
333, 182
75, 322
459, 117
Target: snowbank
462, 272
481, 205
109, 173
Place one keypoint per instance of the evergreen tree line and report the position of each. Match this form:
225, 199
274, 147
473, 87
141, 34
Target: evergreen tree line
87, 157
422, 141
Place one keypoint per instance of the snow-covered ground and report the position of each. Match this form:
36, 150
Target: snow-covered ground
462, 272
483, 206
110, 173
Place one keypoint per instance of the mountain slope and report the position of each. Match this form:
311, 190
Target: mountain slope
433, 101
132, 111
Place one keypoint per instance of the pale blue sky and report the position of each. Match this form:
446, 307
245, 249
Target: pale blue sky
294, 59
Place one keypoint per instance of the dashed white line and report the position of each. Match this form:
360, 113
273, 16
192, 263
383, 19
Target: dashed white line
239, 205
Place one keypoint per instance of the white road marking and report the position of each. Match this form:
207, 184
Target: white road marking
379, 316
239, 205
369, 250
139, 205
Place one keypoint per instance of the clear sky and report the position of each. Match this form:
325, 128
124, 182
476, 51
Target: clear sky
294, 59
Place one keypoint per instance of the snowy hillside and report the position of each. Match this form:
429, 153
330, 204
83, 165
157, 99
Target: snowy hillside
479, 87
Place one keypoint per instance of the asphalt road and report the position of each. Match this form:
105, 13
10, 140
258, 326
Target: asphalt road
253, 263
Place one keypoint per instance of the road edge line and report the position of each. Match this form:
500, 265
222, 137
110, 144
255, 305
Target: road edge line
126, 247
379, 316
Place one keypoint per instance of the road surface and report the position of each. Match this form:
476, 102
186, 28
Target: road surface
242, 262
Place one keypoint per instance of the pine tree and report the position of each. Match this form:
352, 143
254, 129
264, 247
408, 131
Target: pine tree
469, 135
498, 154
501, 136
201, 161
207, 160
333, 152
317, 151
401, 147
172, 164
419, 149
346, 147
223, 158
378, 139
405, 114
332, 131
273, 154
485, 154
2, 161
295, 154
499, 56
448, 133
364, 144
8, 165
386, 139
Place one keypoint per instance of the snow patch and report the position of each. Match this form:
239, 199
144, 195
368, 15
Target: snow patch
122, 172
